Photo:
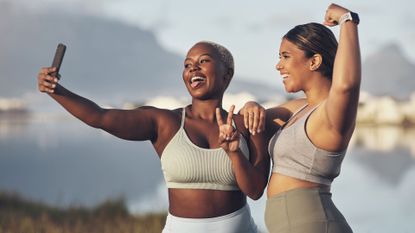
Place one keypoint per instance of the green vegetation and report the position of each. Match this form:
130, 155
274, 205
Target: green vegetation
18, 215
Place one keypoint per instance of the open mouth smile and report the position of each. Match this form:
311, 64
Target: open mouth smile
196, 81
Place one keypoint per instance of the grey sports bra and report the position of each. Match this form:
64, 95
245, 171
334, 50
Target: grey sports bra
294, 155
188, 166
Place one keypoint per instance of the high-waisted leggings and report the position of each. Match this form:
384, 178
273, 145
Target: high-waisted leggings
239, 221
304, 210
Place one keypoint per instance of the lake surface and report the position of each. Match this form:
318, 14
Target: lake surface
61, 161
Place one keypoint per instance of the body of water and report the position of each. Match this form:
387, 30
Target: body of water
61, 161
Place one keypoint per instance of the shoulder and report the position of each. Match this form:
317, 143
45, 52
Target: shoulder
284, 111
160, 116
294, 105
158, 111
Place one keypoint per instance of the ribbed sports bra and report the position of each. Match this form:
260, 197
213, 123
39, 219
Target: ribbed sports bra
294, 155
188, 166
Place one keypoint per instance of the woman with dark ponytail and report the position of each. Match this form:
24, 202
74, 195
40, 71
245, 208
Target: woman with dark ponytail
309, 136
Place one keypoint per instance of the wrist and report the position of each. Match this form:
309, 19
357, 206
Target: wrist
349, 16
233, 153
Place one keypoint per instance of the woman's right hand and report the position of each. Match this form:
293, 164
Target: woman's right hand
254, 117
45, 82
333, 14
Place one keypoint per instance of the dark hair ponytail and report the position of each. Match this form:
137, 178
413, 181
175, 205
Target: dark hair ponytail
315, 38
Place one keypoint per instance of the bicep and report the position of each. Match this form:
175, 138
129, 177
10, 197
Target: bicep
138, 124
340, 110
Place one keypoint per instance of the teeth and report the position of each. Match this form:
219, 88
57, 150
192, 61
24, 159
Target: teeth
284, 75
197, 78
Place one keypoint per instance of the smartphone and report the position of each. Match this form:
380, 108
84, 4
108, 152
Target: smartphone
57, 59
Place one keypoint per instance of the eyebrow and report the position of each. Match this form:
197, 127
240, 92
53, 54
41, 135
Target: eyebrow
204, 54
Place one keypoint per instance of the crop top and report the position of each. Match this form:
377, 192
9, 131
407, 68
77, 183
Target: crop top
188, 166
294, 155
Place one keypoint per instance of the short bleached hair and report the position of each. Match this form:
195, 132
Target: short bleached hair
225, 54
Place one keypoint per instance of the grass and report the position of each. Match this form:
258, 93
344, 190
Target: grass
19, 215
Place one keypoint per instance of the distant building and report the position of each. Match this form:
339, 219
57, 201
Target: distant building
385, 110
12, 110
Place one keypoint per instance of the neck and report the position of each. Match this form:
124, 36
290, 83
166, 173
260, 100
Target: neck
318, 90
205, 109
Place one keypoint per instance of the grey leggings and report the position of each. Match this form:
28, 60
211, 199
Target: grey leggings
304, 210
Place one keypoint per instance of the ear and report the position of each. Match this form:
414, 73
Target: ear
228, 77
229, 73
315, 61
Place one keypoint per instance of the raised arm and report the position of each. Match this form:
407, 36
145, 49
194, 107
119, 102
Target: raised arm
342, 102
138, 124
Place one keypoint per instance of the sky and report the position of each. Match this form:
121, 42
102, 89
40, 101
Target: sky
251, 30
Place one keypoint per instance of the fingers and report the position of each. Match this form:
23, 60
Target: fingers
47, 83
328, 17
251, 119
330, 23
255, 125
228, 135
246, 118
226, 131
219, 117
255, 119
261, 125
333, 14
230, 115
222, 137
47, 70
245, 111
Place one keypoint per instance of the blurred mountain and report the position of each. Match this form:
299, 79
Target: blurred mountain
388, 72
104, 58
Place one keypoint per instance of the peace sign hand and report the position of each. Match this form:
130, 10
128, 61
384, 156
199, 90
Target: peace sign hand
228, 135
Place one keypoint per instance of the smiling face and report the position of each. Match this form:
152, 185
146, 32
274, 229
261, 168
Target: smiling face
205, 74
293, 66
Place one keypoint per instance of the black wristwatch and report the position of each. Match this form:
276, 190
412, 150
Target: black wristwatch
349, 16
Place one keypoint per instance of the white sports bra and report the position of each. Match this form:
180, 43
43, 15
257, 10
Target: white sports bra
188, 166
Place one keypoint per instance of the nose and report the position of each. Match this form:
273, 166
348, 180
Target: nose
278, 66
195, 67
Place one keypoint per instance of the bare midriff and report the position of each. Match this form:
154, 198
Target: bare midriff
199, 203
279, 183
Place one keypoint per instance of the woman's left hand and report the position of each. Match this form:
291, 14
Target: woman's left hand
228, 135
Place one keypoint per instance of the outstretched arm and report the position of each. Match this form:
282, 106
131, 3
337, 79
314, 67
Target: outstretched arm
137, 124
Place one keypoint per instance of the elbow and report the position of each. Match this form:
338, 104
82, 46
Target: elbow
98, 120
257, 191
256, 195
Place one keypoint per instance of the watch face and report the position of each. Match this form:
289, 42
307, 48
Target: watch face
355, 17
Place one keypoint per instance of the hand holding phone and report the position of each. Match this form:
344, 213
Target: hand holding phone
57, 59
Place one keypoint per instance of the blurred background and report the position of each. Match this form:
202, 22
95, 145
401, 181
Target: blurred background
129, 53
